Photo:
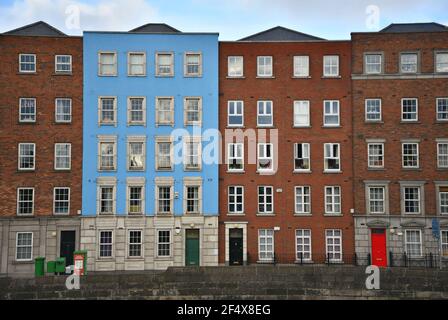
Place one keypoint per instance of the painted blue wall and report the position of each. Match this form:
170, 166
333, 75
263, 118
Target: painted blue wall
149, 86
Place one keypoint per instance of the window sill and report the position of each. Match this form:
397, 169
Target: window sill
16, 262
61, 214
130, 124
164, 76
373, 121
27, 73
303, 215
192, 170
136, 170
265, 214
164, 215
265, 77
58, 123
135, 259
331, 77
265, 171
333, 172
26, 170
441, 121
136, 75
265, 261
105, 259
442, 169
105, 170
134, 214
410, 122
301, 77
168, 258
107, 75
236, 214
331, 127
62, 74
265, 127
24, 215
26, 122
236, 171
304, 262
302, 171
333, 215
301, 127
412, 169
193, 76
376, 169
164, 170
236, 77
106, 214
235, 127
62, 170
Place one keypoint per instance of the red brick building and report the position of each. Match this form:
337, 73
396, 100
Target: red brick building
288, 197
400, 123
40, 145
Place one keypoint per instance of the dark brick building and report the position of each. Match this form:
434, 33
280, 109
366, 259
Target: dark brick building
40, 145
400, 123
291, 200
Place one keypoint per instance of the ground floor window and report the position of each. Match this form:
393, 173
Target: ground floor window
164, 243
333, 240
413, 242
24, 246
135, 243
444, 242
303, 244
105, 244
266, 244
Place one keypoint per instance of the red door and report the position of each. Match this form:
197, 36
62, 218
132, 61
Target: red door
379, 252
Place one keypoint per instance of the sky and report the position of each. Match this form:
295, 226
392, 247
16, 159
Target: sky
233, 19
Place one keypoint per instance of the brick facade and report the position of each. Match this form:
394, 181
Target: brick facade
45, 86
391, 86
283, 89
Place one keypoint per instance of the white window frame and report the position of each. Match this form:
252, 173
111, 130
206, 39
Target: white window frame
265, 202
158, 243
34, 115
20, 63
114, 64
69, 156
19, 156
186, 64
192, 182
437, 63
139, 244
402, 64
368, 64
438, 113
107, 140
330, 234
137, 140
442, 205
264, 106
27, 246
301, 63
67, 201
266, 66
235, 114
187, 110
403, 155
18, 201
407, 243
235, 203
304, 235
305, 199
110, 184
266, 234
298, 104
306, 148
101, 121
371, 157
195, 141
382, 200
229, 62
336, 200
56, 63
413, 112
135, 182
419, 199
111, 244
158, 110
164, 182
165, 74
441, 156
444, 242
56, 114
332, 156
329, 64
367, 113
130, 64
326, 114
263, 156
235, 151
143, 111
164, 140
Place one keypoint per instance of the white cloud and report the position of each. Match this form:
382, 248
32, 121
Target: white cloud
120, 15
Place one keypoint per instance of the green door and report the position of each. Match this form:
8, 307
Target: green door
192, 247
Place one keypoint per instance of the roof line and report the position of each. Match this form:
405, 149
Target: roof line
152, 23
261, 32
35, 23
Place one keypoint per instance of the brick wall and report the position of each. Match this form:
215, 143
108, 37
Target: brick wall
45, 86
283, 90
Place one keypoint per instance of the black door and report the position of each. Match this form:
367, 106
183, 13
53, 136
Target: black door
236, 247
68, 243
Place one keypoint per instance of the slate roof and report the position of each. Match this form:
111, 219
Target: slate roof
39, 28
155, 28
280, 34
414, 27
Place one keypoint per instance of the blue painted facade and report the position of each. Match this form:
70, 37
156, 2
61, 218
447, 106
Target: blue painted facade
149, 86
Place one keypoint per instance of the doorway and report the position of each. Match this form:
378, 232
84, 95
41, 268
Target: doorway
236, 247
67, 246
379, 249
192, 247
